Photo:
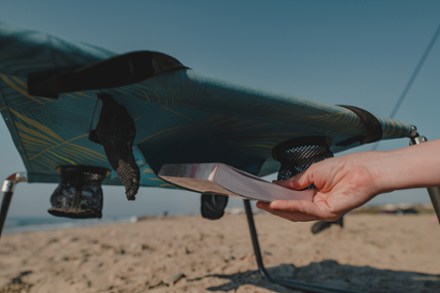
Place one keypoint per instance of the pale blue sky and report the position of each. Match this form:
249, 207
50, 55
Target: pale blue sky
337, 52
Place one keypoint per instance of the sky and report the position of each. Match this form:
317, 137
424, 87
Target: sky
350, 52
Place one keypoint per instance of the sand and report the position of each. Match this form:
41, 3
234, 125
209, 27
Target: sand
373, 253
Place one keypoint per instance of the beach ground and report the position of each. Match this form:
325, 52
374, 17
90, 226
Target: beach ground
373, 253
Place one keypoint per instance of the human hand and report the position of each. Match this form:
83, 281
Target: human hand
342, 184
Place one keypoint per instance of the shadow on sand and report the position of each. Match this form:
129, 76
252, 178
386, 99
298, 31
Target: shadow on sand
331, 273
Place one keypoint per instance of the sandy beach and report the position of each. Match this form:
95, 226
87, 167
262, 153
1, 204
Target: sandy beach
373, 253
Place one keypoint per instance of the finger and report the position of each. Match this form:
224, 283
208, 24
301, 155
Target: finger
297, 182
262, 204
299, 206
294, 217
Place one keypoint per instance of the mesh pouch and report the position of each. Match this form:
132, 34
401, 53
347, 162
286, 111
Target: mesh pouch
213, 205
297, 155
79, 193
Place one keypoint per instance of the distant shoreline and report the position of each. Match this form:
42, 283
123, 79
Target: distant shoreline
17, 224
402, 208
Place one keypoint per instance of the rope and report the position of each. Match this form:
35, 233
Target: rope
413, 77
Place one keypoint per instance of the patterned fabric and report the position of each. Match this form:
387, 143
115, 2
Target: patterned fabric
180, 116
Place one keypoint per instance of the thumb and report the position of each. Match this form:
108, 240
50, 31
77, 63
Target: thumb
297, 182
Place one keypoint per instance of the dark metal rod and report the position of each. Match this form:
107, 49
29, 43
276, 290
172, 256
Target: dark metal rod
305, 287
255, 243
434, 194
8, 190
434, 191
7, 196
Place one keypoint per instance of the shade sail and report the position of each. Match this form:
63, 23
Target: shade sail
181, 116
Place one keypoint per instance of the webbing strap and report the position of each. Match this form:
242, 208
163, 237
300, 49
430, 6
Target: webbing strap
372, 127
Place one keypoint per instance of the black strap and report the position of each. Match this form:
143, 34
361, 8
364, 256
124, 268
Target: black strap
113, 72
372, 127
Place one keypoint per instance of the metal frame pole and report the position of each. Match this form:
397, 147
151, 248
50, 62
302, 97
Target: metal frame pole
8, 190
434, 191
304, 287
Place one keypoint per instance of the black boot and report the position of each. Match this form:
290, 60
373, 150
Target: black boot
322, 225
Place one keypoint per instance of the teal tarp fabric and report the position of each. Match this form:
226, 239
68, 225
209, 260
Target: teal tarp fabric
180, 116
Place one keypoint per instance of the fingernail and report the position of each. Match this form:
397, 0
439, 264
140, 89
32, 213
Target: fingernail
261, 205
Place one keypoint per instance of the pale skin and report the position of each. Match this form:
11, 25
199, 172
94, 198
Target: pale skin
347, 182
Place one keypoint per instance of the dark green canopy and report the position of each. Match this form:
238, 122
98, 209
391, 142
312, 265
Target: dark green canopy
180, 115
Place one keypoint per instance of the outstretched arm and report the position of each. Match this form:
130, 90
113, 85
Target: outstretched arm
346, 182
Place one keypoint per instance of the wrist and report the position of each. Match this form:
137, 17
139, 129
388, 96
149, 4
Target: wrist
376, 171
409, 167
